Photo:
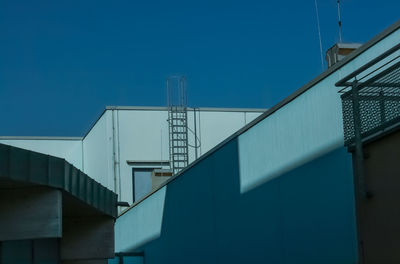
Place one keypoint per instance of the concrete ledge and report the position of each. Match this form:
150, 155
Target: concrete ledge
30, 213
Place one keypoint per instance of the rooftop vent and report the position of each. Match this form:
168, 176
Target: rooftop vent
339, 51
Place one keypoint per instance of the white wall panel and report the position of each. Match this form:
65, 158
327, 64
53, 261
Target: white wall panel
74, 154
217, 126
303, 129
70, 150
141, 224
250, 116
294, 134
143, 136
97, 149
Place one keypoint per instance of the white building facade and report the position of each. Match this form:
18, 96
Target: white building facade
127, 145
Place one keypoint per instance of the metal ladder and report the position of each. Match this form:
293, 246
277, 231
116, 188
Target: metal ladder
178, 138
178, 126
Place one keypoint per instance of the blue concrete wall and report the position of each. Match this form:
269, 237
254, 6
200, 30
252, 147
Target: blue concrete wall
305, 216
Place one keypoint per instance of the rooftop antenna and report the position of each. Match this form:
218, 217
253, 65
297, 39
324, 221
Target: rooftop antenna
340, 21
319, 35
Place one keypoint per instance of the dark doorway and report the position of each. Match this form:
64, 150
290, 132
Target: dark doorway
380, 213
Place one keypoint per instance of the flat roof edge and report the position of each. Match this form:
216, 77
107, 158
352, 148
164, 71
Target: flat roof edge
126, 107
47, 170
229, 109
39, 138
211, 109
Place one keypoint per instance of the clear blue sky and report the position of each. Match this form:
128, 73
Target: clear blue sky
62, 62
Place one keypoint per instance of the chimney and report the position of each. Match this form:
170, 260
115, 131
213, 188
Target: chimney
339, 51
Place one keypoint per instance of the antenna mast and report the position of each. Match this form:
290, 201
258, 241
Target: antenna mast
340, 21
319, 35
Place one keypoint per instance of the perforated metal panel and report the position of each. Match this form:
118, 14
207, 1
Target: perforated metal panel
379, 99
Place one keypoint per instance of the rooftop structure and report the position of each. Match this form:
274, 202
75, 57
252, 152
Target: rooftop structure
128, 148
339, 51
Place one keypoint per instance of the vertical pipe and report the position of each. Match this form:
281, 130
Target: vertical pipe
119, 157
200, 138
358, 163
114, 151
161, 146
358, 139
83, 156
195, 133
133, 185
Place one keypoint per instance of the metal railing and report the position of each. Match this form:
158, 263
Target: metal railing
375, 96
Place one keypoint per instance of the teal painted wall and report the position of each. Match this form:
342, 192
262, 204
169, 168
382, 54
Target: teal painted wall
305, 216
127, 260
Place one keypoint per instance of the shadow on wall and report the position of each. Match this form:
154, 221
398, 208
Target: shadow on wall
304, 216
141, 224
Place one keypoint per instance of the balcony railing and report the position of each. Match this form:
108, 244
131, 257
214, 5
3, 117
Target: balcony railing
371, 97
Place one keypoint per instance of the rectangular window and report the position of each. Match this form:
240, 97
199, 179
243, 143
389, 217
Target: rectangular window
141, 182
